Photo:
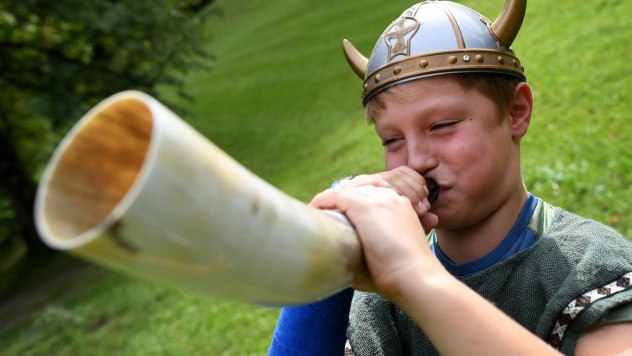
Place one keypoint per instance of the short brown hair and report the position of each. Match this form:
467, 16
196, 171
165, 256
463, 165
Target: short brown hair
497, 87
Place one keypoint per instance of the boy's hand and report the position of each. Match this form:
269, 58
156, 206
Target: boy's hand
406, 182
393, 241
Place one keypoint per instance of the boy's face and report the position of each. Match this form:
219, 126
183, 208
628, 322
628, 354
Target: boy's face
457, 137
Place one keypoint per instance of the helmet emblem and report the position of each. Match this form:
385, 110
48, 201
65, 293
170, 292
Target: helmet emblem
399, 35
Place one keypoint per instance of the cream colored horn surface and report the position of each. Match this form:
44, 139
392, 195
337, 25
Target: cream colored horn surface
135, 188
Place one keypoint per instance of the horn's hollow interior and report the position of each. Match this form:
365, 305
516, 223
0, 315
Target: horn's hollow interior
97, 168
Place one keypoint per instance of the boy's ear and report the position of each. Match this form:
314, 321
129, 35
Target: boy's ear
520, 109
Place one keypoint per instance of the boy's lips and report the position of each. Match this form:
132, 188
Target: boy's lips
433, 190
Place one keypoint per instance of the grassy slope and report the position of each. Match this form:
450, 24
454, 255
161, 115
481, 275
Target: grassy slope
282, 101
578, 153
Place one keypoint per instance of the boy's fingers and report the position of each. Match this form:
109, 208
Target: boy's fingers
325, 200
429, 221
414, 186
363, 285
344, 199
404, 180
341, 199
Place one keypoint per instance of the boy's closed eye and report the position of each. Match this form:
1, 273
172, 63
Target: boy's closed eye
391, 140
444, 124
441, 125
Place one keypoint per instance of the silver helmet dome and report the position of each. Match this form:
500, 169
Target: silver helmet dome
439, 37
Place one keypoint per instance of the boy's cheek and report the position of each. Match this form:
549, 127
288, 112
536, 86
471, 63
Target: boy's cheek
393, 160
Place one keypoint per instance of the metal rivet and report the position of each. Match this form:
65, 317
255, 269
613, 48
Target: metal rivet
366, 85
452, 59
480, 58
377, 77
397, 70
515, 62
501, 59
466, 58
423, 63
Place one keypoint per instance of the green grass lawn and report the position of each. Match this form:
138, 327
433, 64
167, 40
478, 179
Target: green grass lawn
283, 102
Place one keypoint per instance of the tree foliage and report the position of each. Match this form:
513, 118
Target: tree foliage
58, 58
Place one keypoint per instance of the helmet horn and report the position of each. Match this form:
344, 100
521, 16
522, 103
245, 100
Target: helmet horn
357, 60
508, 23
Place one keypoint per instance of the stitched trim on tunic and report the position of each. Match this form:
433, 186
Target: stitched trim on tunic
574, 308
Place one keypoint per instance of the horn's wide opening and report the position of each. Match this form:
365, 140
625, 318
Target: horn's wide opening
95, 169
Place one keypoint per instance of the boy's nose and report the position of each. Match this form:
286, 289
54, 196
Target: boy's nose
420, 158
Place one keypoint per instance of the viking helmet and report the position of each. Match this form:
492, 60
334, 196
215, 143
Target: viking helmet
439, 37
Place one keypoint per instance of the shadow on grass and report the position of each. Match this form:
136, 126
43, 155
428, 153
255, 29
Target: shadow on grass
34, 284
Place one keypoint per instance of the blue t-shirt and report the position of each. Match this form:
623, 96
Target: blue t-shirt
518, 238
314, 329
320, 328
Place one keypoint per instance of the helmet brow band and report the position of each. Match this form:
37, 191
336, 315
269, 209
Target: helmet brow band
483, 60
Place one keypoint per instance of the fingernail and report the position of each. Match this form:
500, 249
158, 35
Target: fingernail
426, 203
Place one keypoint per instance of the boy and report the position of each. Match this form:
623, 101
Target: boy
449, 102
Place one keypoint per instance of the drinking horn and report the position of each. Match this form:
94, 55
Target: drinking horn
136, 189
